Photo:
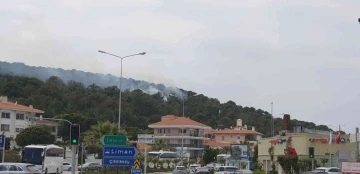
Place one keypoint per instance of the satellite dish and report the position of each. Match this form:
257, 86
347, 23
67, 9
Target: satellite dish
359, 20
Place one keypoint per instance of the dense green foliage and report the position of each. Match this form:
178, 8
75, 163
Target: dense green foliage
139, 109
12, 156
35, 135
210, 155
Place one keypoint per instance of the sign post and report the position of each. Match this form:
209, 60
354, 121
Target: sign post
146, 139
116, 152
2, 147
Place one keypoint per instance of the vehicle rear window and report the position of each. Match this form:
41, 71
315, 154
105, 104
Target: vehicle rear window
230, 169
180, 168
32, 168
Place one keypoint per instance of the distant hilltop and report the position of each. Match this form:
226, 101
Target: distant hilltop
88, 78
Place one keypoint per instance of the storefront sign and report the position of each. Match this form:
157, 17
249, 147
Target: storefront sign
278, 141
326, 140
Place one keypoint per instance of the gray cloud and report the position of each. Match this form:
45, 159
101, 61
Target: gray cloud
303, 55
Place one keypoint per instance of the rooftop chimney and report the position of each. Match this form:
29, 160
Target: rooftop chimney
30, 106
286, 122
253, 128
40, 117
3, 99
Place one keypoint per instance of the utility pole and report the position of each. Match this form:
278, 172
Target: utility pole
272, 120
357, 141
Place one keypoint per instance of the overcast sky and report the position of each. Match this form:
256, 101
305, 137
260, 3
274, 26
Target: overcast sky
301, 54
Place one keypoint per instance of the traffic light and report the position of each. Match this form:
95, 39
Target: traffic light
74, 134
7, 144
311, 152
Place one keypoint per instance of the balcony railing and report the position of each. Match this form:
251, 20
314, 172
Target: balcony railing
179, 134
187, 145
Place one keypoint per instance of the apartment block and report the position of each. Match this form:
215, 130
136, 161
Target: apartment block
15, 117
181, 132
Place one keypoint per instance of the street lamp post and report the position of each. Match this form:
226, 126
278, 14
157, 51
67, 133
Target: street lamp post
182, 129
121, 60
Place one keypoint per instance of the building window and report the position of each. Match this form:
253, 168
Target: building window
179, 141
5, 115
5, 127
238, 137
20, 116
222, 138
53, 129
168, 130
18, 129
184, 131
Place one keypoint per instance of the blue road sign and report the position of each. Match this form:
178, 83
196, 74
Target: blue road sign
2, 142
119, 151
116, 161
136, 171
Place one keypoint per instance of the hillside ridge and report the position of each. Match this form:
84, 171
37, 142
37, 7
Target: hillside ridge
58, 96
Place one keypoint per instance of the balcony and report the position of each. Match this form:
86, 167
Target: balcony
187, 145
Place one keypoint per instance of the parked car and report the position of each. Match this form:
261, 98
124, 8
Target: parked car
192, 168
328, 170
18, 168
202, 170
66, 166
90, 166
179, 170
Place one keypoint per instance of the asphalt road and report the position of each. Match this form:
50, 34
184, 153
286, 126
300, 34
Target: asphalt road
69, 172
78, 172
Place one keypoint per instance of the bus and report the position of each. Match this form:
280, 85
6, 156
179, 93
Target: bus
47, 158
163, 155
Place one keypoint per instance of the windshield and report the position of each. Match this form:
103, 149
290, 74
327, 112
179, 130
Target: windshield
180, 168
32, 168
153, 155
32, 156
230, 169
319, 170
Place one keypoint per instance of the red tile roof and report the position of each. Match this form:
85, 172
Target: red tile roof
46, 122
17, 107
233, 131
141, 147
213, 143
172, 120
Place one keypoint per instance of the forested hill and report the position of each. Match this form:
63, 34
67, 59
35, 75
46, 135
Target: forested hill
139, 109
86, 78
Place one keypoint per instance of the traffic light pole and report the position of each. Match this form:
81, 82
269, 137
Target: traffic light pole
3, 155
74, 141
73, 160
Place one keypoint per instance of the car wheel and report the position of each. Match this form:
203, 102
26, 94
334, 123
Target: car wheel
46, 171
69, 169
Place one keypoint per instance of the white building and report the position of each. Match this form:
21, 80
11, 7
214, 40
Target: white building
15, 117
191, 138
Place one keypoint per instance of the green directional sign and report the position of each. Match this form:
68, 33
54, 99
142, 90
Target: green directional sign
115, 140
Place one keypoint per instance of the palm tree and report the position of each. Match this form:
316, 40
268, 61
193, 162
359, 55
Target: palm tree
92, 137
160, 144
225, 150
